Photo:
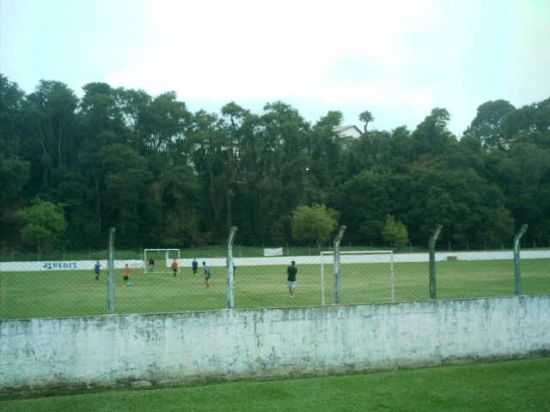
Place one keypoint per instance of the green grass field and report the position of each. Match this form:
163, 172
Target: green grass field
504, 386
77, 293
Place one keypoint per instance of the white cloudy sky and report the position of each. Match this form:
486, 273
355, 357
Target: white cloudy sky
398, 59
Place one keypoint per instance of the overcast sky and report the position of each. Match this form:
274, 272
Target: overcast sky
397, 59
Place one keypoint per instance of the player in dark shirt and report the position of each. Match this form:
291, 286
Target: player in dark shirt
126, 275
291, 271
97, 270
195, 266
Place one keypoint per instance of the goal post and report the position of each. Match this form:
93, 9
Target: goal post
355, 257
159, 260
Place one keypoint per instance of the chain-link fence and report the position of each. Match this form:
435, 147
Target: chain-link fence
161, 280
76, 291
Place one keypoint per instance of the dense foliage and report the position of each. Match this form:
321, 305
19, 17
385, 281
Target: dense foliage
167, 177
313, 223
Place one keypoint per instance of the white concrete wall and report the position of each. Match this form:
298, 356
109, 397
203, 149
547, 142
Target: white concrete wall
279, 260
161, 348
49, 266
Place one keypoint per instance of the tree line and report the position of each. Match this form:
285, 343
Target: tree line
165, 176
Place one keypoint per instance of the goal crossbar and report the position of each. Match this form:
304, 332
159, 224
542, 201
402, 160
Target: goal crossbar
161, 250
358, 252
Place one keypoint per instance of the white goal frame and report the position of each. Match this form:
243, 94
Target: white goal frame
167, 257
357, 252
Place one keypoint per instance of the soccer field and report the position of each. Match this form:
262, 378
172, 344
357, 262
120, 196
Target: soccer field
504, 386
77, 293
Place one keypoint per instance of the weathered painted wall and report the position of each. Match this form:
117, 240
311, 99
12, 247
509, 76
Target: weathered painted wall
160, 348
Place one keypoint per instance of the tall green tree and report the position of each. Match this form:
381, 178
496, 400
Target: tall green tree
432, 137
366, 117
395, 233
43, 225
14, 168
165, 176
51, 131
126, 180
313, 223
487, 126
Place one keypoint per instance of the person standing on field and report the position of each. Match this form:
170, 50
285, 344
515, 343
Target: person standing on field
207, 274
195, 266
97, 270
126, 275
291, 272
175, 267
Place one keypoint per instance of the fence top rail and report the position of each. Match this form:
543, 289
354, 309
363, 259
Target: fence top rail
358, 252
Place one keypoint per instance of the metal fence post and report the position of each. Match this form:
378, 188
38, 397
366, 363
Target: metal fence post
337, 268
517, 270
111, 266
3, 301
433, 273
230, 273
392, 278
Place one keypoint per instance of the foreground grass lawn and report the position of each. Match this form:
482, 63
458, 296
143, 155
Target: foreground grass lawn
503, 386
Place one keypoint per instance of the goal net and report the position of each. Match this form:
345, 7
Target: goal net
367, 276
159, 260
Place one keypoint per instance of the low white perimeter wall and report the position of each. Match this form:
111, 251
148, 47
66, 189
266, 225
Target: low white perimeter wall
164, 348
279, 260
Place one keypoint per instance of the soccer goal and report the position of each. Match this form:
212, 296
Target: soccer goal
159, 260
354, 264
